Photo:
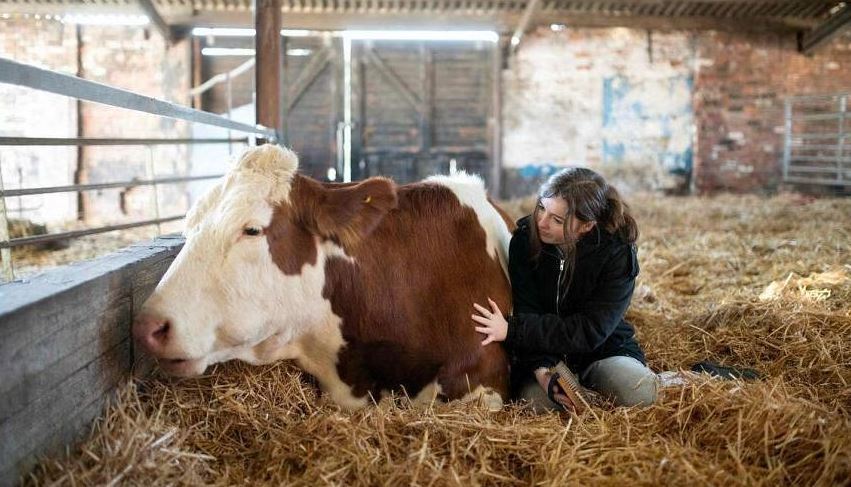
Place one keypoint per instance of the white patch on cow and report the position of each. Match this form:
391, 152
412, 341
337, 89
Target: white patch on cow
318, 355
428, 394
485, 397
470, 191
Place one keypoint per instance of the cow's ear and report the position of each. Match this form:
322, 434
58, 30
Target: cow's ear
345, 213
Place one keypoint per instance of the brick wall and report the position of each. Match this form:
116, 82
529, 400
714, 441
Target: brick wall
659, 110
132, 58
740, 85
136, 60
30, 113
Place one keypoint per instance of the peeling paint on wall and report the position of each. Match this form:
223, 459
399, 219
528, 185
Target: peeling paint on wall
648, 120
602, 98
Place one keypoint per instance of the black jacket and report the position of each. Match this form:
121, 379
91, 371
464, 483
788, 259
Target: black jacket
588, 324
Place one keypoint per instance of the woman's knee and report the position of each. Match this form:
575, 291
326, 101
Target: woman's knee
624, 380
534, 395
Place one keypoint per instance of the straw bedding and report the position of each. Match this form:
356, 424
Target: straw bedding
705, 293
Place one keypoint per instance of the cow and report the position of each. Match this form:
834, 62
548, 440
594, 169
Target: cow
368, 286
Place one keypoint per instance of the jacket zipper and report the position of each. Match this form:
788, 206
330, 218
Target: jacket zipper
558, 282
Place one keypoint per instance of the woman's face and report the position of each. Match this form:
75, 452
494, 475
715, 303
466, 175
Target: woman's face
551, 217
552, 213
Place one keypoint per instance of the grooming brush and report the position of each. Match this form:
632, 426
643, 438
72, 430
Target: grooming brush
569, 385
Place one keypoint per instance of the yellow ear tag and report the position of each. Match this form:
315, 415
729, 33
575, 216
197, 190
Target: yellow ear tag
368, 199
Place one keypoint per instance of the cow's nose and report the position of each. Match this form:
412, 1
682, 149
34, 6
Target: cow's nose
152, 332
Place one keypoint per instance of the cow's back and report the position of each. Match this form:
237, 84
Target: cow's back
406, 297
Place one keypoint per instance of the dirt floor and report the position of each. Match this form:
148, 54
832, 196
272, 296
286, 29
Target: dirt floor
743, 281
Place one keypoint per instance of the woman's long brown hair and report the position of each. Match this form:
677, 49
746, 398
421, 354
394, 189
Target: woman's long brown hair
589, 199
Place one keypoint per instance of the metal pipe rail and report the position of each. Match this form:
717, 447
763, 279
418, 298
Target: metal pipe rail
19, 74
222, 78
87, 141
36, 239
93, 187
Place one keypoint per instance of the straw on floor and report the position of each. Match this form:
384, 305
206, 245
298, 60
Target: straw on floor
742, 281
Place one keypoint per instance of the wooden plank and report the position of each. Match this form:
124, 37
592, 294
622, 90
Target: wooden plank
52, 422
307, 77
155, 17
526, 20
64, 343
391, 77
826, 32
267, 46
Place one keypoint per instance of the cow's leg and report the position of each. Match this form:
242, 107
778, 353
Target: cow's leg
318, 355
271, 350
482, 378
485, 397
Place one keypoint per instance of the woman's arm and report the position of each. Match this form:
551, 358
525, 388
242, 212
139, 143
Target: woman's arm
524, 289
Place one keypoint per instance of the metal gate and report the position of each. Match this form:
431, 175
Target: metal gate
817, 138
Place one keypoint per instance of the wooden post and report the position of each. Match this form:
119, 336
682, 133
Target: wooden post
496, 121
267, 43
197, 72
358, 103
286, 77
426, 109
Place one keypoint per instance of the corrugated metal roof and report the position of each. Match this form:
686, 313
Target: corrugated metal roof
800, 12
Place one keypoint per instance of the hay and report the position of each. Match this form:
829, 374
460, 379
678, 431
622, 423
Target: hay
705, 263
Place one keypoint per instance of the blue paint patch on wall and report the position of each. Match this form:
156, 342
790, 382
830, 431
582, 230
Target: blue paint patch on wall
638, 128
537, 171
613, 151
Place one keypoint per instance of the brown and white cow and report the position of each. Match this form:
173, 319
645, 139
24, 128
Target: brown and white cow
367, 286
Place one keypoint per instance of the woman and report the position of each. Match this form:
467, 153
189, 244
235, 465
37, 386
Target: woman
572, 265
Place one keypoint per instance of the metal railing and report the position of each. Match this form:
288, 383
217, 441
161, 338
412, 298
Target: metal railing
817, 140
15, 73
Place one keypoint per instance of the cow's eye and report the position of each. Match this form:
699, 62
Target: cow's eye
252, 231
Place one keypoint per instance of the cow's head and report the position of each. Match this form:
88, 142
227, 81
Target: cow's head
251, 273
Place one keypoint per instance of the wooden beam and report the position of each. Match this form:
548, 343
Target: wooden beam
358, 111
826, 32
427, 104
267, 44
388, 74
155, 17
308, 76
505, 22
197, 71
532, 9
495, 132
285, 103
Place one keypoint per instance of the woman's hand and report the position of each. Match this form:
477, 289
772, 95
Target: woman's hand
543, 375
494, 325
